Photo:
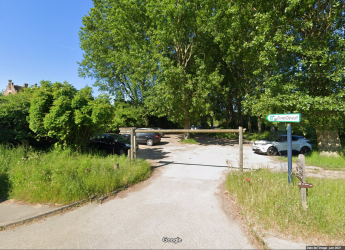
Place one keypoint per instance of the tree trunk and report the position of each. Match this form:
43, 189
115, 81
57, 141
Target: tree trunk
259, 125
249, 123
211, 121
230, 111
272, 129
328, 142
239, 110
186, 126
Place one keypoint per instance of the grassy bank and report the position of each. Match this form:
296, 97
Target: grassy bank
326, 162
62, 176
269, 201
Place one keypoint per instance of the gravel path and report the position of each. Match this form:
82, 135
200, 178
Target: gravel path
181, 199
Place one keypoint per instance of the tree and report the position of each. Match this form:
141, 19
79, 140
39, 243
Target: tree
69, 116
153, 52
302, 64
14, 110
127, 115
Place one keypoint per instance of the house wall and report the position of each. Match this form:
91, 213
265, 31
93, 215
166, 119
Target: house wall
13, 89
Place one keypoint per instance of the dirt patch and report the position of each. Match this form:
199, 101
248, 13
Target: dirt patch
234, 213
155, 173
322, 173
313, 171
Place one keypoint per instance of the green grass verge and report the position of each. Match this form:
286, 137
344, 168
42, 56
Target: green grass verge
326, 162
189, 141
272, 203
62, 176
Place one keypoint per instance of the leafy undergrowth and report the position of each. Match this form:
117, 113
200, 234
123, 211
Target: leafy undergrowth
269, 201
326, 162
63, 176
224, 135
256, 136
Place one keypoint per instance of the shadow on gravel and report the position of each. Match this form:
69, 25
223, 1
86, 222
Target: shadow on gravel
208, 141
153, 153
165, 163
162, 143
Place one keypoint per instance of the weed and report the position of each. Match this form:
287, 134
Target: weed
189, 141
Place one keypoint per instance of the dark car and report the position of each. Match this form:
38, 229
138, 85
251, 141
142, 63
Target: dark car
111, 143
145, 138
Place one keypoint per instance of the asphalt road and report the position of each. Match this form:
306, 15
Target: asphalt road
181, 199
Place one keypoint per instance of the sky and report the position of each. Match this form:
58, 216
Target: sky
39, 41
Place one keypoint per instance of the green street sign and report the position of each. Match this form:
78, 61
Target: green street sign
293, 117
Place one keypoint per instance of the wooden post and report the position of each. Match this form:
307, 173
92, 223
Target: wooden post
241, 148
116, 166
132, 144
129, 153
303, 190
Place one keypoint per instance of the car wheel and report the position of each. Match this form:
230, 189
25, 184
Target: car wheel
121, 152
305, 150
149, 142
272, 151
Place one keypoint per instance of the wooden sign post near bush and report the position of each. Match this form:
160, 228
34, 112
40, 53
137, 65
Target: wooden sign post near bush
302, 184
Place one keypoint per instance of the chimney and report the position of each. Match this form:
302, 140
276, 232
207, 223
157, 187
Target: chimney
10, 83
35, 85
25, 85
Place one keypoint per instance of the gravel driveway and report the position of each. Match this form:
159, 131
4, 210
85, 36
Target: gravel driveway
181, 199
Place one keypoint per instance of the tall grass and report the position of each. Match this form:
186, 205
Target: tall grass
64, 176
269, 201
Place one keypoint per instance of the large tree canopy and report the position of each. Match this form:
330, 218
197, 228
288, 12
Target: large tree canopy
154, 53
187, 59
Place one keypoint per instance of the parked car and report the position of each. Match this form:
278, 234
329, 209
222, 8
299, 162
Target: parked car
280, 145
111, 143
153, 128
145, 138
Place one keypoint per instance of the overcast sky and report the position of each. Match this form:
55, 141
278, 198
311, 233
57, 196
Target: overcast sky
39, 41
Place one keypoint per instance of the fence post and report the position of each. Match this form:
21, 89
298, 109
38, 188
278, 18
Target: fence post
116, 166
241, 148
132, 144
135, 145
303, 190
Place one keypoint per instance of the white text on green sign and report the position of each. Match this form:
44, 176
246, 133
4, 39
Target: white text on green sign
294, 117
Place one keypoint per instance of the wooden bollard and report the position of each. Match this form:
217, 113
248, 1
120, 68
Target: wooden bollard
129, 153
116, 166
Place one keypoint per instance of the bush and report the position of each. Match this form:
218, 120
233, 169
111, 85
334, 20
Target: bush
63, 176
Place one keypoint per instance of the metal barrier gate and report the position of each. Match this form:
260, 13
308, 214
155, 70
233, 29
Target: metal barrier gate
133, 131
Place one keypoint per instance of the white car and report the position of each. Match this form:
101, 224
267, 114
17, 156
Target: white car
299, 145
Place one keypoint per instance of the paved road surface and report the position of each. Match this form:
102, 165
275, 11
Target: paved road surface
181, 199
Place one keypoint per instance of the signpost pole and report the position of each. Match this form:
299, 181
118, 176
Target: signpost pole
289, 139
